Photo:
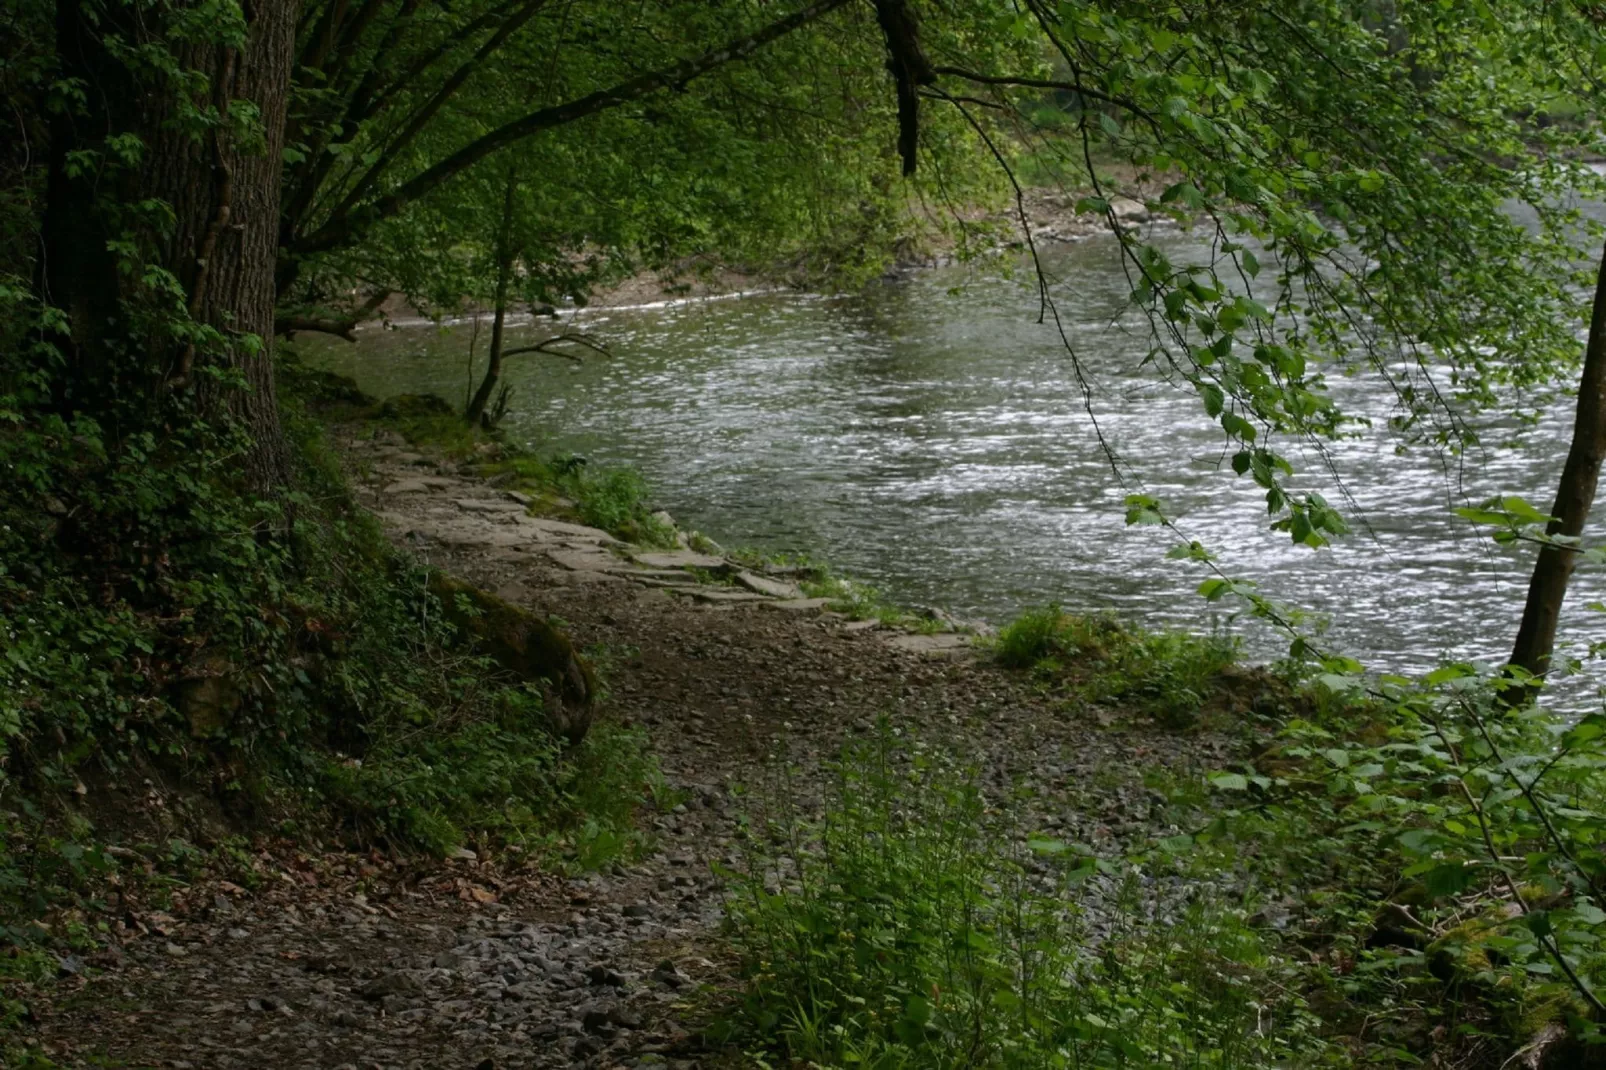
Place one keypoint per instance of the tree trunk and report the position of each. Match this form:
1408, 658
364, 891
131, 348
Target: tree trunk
224, 199
1536, 636
504, 275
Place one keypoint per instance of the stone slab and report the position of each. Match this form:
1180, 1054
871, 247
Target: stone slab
800, 605
681, 559
726, 596
562, 529
765, 585
488, 505
408, 486
584, 560
945, 644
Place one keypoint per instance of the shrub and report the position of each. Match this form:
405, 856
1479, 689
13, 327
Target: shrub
1167, 675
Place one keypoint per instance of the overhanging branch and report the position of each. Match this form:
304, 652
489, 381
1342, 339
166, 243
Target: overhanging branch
345, 227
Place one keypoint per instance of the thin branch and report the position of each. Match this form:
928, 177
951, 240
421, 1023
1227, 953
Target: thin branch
547, 346
347, 226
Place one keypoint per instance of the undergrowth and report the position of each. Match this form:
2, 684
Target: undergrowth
914, 925
1167, 675
159, 624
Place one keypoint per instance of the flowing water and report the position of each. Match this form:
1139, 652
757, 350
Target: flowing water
928, 436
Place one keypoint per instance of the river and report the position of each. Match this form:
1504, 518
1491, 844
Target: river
927, 436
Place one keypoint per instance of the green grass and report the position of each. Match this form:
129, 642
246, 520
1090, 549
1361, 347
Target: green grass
1167, 675
914, 925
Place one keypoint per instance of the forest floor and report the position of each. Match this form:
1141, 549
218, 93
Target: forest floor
361, 961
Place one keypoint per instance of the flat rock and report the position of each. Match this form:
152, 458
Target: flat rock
562, 529
469, 534
861, 625
945, 644
717, 595
652, 575
584, 560
764, 585
800, 605
488, 505
408, 486
681, 559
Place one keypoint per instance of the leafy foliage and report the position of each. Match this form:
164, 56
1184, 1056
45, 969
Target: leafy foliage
1169, 675
914, 926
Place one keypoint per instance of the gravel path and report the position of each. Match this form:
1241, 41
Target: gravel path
358, 962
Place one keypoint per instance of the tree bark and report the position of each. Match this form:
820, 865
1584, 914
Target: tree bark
504, 275
223, 193
1536, 636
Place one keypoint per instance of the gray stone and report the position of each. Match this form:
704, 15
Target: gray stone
408, 486
943, 645
487, 505
584, 560
1128, 210
682, 559
765, 585
801, 605
719, 595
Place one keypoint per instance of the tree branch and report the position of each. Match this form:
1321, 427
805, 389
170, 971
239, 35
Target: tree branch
346, 328
546, 346
437, 100
347, 226
1047, 83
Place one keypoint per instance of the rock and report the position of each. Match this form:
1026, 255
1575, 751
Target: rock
1128, 210
719, 595
597, 1020
463, 854
603, 975
638, 910
554, 530
683, 559
407, 486
800, 605
667, 973
395, 983
861, 625
584, 560
943, 645
764, 585
487, 505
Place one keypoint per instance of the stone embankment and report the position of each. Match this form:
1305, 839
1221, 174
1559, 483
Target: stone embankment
464, 513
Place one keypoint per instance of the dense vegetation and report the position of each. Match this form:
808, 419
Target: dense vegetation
188, 596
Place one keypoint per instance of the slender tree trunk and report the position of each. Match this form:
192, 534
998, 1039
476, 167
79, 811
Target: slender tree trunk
223, 192
1536, 636
504, 276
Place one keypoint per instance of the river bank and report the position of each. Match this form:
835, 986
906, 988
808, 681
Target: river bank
481, 961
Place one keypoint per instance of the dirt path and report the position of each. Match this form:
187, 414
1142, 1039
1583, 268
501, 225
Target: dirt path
352, 962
